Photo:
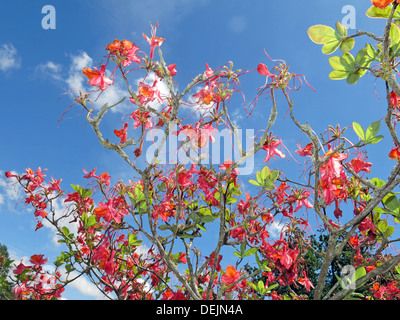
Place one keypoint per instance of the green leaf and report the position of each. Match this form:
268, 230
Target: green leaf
372, 130
375, 12
165, 227
342, 30
360, 272
339, 63
347, 45
133, 241
91, 221
250, 252
354, 77
331, 46
206, 219
255, 183
378, 182
186, 236
375, 139
201, 227
389, 231
382, 225
394, 35
261, 287
321, 34
338, 74
272, 286
65, 230
392, 203
359, 130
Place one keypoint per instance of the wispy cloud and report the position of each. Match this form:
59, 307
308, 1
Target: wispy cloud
9, 58
49, 69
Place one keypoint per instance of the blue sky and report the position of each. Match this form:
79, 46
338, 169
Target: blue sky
37, 66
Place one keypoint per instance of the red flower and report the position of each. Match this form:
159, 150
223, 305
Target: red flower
122, 133
306, 151
359, 165
270, 145
37, 260
172, 70
153, 41
382, 3
230, 276
9, 174
263, 70
394, 153
305, 282
97, 77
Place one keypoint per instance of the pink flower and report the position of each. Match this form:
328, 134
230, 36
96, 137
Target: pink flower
172, 70
226, 165
263, 70
37, 260
359, 165
306, 151
148, 93
305, 282
97, 78
142, 118
122, 133
300, 197
270, 145
20, 268
230, 276
153, 41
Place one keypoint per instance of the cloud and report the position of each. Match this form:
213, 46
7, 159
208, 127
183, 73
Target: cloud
9, 191
155, 10
49, 69
9, 58
75, 79
85, 287
237, 24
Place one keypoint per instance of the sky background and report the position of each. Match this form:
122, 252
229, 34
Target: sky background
38, 66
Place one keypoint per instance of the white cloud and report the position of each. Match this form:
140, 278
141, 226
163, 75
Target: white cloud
237, 24
75, 79
85, 287
50, 69
9, 58
275, 229
10, 189
156, 10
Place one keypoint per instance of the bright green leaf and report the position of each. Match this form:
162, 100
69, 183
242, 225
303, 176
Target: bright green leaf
331, 47
394, 35
342, 30
250, 252
347, 44
321, 34
255, 183
91, 221
338, 74
389, 231
372, 130
359, 130
382, 225
375, 139
375, 12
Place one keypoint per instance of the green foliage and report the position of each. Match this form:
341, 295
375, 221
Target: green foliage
369, 136
266, 178
6, 290
330, 38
